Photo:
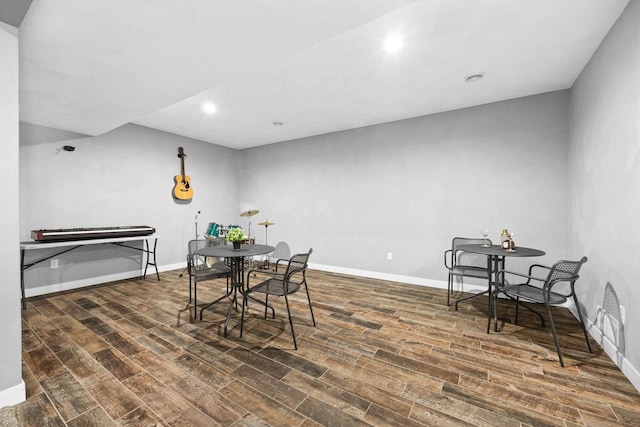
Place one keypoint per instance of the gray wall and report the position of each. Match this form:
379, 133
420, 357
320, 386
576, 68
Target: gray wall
11, 385
405, 187
124, 177
604, 182
408, 187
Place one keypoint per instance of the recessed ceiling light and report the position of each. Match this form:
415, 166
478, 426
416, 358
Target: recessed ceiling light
209, 108
277, 123
393, 43
474, 77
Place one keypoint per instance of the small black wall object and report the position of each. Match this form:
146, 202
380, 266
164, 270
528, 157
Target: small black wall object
68, 148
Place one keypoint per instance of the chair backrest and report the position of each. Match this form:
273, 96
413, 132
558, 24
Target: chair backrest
281, 251
194, 245
466, 258
297, 264
564, 271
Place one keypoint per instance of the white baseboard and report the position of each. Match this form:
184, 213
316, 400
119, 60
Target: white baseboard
611, 349
13, 395
170, 267
439, 284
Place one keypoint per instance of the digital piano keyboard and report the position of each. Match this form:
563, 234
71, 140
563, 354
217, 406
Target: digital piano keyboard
90, 233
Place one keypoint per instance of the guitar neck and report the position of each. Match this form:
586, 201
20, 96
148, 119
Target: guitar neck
182, 156
182, 189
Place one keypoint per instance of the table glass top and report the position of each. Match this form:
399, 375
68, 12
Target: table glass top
496, 250
227, 251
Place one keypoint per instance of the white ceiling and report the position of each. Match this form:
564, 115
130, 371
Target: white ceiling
318, 66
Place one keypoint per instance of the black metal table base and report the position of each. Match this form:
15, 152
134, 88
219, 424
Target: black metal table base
459, 300
233, 295
237, 287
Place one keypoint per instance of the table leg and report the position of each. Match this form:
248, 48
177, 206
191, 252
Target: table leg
498, 289
237, 281
490, 264
22, 268
498, 264
148, 263
228, 294
488, 291
233, 300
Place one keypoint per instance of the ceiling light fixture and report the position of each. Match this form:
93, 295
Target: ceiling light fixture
393, 43
209, 108
474, 77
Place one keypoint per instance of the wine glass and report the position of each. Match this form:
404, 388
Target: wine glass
485, 234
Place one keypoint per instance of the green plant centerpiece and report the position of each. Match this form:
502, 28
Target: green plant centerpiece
235, 236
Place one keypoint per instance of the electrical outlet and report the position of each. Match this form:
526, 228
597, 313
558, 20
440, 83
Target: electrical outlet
389, 256
54, 263
623, 313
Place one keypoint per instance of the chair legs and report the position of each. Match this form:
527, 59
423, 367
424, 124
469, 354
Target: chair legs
493, 303
584, 329
309, 299
293, 334
450, 292
195, 299
244, 303
555, 335
266, 307
495, 313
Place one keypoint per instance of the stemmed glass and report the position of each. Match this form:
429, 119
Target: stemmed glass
485, 234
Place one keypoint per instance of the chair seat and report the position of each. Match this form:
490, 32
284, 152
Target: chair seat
274, 287
219, 265
469, 271
217, 270
533, 293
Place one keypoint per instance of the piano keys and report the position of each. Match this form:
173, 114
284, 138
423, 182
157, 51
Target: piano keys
60, 234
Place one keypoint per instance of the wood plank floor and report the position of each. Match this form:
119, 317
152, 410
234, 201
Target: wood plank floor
128, 353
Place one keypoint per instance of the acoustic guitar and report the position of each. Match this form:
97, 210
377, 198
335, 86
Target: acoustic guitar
182, 189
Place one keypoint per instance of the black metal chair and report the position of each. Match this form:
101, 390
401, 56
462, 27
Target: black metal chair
202, 268
464, 264
281, 285
542, 293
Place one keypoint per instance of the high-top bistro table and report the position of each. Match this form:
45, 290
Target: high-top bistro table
236, 260
495, 258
